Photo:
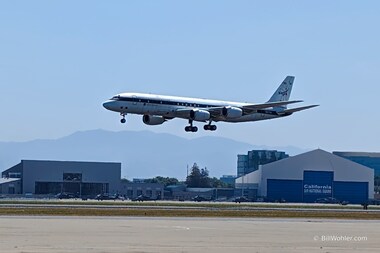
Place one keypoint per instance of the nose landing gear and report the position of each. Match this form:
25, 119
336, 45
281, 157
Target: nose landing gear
123, 120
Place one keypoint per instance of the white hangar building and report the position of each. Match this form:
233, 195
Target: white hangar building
309, 176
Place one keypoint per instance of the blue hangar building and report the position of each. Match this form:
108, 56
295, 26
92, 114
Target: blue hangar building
311, 176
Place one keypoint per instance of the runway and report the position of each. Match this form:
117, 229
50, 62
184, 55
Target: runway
155, 234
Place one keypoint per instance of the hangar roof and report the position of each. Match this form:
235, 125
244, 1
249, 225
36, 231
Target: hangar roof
318, 160
315, 160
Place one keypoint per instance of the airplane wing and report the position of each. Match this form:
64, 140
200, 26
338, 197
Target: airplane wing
248, 109
216, 112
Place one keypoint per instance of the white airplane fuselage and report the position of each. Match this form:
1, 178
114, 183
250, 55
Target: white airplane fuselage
156, 109
167, 106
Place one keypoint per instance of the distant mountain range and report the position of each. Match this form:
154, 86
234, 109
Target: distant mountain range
143, 154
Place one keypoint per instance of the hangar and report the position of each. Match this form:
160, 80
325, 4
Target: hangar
310, 176
51, 177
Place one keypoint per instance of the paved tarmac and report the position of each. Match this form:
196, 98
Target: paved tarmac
139, 234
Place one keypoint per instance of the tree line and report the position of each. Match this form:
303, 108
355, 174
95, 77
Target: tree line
197, 178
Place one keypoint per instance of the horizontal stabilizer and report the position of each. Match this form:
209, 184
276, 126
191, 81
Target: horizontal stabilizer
290, 111
269, 105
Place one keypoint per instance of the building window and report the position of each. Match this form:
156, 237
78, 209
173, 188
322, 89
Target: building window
14, 174
72, 177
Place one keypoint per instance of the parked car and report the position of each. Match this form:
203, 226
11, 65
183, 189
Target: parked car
66, 195
142, 198
106, 196
200, 199
328, 200
241, 199
281, 200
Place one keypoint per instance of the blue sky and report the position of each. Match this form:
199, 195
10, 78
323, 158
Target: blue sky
59, 60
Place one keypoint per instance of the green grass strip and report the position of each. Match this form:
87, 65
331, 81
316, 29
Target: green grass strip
187, 213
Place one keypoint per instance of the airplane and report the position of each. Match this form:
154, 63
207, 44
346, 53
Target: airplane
156, 109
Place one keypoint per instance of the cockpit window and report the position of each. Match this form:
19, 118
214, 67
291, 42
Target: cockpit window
115, 97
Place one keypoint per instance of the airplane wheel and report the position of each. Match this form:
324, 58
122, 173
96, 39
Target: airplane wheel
213, 127
188, 129
194, 129
123, 120
206, 127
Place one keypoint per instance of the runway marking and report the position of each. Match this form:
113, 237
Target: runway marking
181, 228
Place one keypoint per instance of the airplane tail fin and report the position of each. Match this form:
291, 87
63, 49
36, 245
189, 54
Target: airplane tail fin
283, 91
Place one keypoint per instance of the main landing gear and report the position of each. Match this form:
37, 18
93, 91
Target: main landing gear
191, 128
123, 120
209, 127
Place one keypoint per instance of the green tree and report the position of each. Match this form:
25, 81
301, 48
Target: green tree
216, 183
125, 180
194, 179
198, 177
163, 180
205, 179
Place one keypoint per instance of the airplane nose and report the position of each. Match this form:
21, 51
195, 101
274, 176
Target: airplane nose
107, 105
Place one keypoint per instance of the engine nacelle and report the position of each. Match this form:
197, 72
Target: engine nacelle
232, 112
153, 120
199, 115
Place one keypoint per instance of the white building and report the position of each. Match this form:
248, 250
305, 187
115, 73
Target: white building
309, 176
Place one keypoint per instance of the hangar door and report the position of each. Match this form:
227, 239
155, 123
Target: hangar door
282, 189
353, 192
317, 184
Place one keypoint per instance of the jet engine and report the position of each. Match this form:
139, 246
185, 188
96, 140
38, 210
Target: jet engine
153, 120
199, 115
232, 112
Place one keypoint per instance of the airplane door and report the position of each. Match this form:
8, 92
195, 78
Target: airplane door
136, 104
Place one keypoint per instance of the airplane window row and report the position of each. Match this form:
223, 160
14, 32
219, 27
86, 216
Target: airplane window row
161, 102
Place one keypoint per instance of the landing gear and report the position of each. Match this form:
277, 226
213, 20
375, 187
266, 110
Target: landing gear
209, 127
123, 120
191, 128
